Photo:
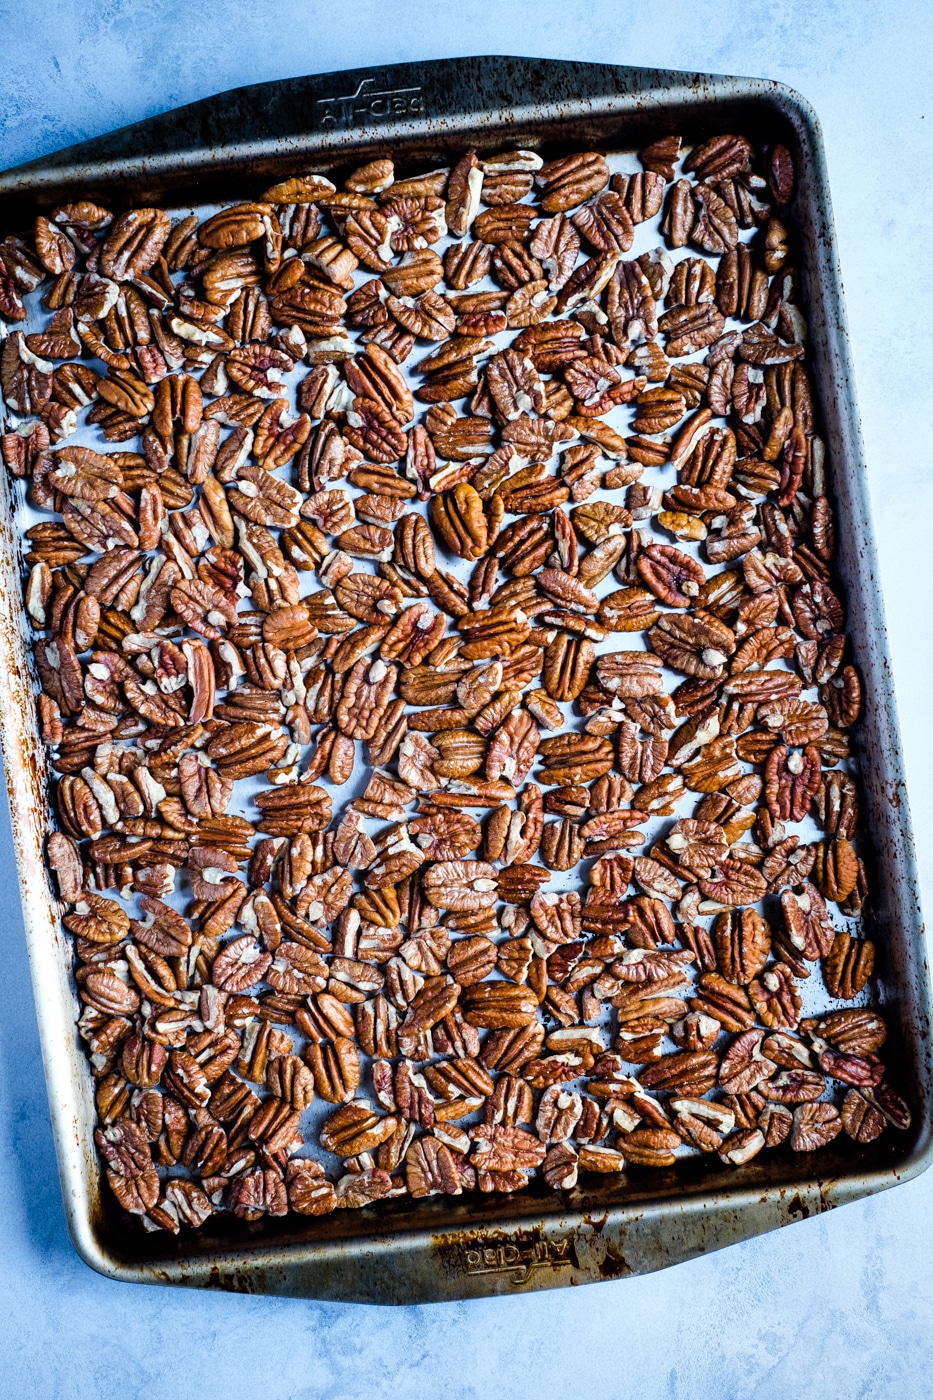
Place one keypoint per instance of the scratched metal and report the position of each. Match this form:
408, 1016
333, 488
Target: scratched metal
404, 1251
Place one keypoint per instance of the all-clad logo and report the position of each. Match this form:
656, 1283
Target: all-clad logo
369, 104
517, 1261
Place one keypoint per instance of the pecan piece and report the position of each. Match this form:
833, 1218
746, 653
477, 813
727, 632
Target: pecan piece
572, 179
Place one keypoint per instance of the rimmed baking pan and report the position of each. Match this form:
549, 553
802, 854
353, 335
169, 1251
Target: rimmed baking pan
405, 1251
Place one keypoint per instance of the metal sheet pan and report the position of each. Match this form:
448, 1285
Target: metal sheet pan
437, 1249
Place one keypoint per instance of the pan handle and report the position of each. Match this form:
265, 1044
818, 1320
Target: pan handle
270, 128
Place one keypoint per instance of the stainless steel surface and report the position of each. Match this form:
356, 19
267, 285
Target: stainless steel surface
421, 1251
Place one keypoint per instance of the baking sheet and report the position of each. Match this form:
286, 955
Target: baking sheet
654, 1215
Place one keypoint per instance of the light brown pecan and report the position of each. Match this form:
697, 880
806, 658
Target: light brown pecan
857, 1031
715, 228
499, 1005
848, 965
809, 927
309, 1191
335, 1068
606, 223
815, 1124
690, 1072
691, 328
860, 1119
775, 996
460, 885
572, 179
366, 693
133, 242
743, 943
355, 1128
742, 1146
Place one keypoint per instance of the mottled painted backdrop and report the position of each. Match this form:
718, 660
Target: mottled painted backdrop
829, 1309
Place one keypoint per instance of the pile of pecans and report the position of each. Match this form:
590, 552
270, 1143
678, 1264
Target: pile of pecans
363, 548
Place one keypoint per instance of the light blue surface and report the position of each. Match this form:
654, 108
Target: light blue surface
832, 1308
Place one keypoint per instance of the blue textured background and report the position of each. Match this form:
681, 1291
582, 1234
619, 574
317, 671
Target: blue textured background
831, 1308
